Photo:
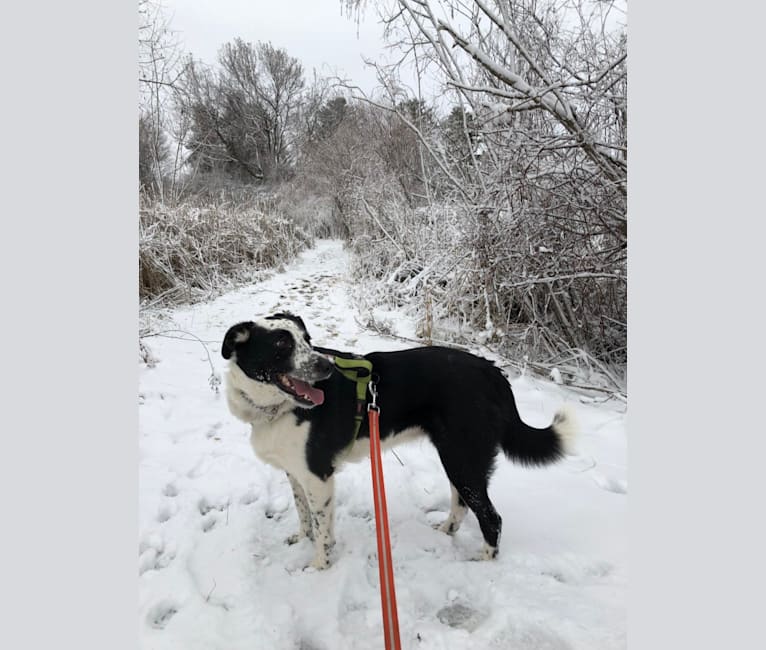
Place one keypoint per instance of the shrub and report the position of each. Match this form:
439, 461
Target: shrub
190, 252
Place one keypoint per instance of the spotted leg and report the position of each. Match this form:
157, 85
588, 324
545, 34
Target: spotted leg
304, 513
319, 494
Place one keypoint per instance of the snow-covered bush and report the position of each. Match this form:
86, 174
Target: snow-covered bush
509, 282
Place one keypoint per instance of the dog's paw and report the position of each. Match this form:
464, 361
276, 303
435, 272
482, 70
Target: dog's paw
318, 564
297, 537
487, 553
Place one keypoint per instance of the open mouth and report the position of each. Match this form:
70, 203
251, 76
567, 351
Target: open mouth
300, 390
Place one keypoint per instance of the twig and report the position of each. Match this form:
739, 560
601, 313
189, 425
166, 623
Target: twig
566, 276
369, 211
177, 338
214, 379
374, 328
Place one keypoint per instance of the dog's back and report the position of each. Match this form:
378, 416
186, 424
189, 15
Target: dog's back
442, 389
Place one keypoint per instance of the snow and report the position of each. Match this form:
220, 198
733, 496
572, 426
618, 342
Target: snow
215, 572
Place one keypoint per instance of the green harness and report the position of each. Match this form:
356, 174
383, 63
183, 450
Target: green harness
356, 369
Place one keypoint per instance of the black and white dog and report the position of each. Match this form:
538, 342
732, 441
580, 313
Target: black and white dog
301, 411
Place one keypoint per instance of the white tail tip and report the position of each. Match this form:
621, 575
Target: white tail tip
566, 427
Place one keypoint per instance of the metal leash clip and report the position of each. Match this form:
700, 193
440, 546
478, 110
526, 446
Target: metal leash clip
374, 392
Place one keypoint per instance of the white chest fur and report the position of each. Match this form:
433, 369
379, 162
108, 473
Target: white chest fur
275, 435
281, 442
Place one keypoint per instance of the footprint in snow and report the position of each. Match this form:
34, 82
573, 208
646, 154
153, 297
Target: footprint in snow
214, 431
208, 523
211, 512
249, 497
166, 511
576, 464
610, 484
205, 505
577, 575
581, 464
170, 490
532, 636
305, 644
159, 615
277, 507
200, 469
154, 554
153, 560
558, 577
600, 570
360, 513
460, 616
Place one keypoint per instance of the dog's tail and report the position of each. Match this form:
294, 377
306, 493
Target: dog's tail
531, 446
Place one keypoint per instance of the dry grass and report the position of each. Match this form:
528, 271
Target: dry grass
190, 252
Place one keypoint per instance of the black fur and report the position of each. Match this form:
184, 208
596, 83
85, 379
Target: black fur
463, 402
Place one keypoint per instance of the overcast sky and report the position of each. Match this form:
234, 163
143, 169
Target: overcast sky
313, 31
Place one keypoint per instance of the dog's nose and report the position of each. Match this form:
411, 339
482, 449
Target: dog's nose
323, 366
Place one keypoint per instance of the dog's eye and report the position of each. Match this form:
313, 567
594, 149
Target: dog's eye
283, 342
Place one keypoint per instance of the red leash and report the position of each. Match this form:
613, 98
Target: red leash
385, 565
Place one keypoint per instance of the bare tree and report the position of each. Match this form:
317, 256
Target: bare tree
153, 155
247, 113
538, 90
160, 67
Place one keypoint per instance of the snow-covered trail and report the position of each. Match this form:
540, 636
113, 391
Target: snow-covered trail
215, 573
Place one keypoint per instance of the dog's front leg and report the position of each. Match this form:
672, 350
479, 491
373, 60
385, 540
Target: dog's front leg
319, 494
304, 514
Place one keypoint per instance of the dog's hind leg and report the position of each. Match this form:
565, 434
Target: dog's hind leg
304, 513
456, 513
490, 522
319, 495
470, 481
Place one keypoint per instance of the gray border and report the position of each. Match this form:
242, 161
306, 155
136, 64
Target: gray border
694, 450
69, 262
69, 329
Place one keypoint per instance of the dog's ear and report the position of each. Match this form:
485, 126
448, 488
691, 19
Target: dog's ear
295, 319
300, 322
286, 315
238, 333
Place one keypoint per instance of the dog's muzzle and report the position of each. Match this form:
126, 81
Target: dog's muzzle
299, 385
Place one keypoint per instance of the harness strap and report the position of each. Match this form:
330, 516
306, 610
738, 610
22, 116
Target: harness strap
356, 369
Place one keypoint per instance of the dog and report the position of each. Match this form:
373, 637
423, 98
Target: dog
301, 410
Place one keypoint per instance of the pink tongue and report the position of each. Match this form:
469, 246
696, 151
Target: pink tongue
309, 392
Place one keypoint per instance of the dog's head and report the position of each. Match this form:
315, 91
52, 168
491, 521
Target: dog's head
276, 352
